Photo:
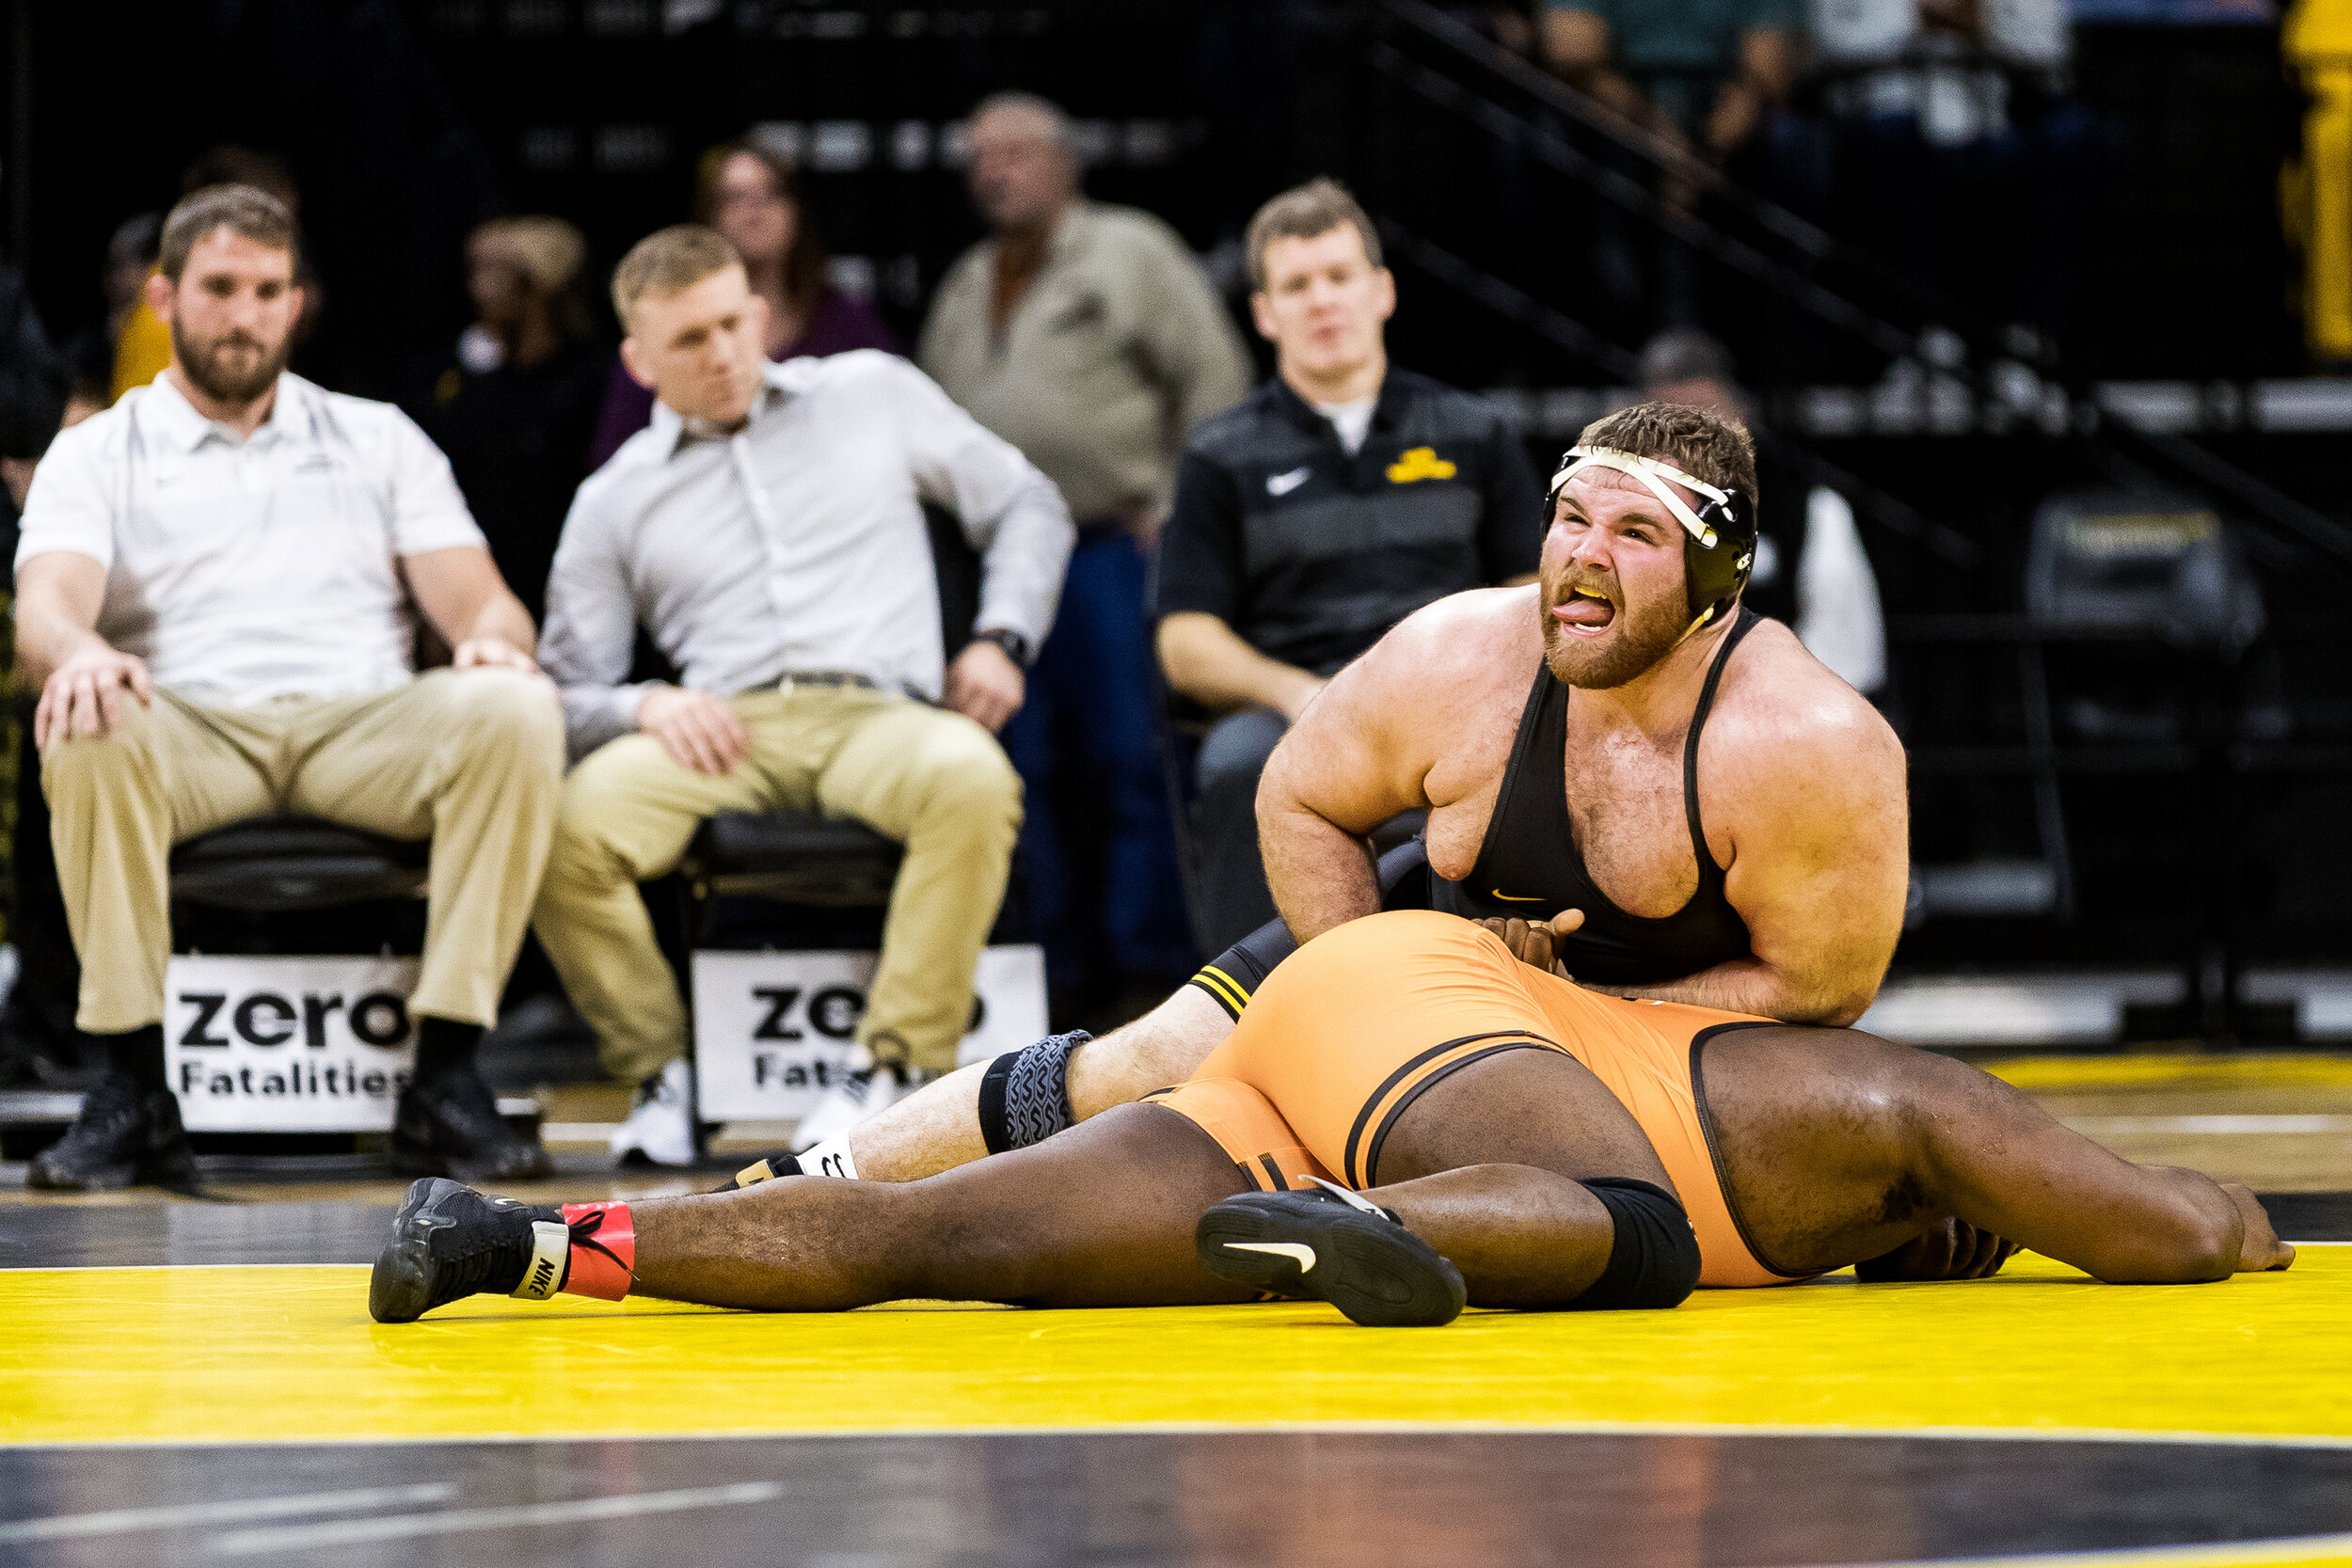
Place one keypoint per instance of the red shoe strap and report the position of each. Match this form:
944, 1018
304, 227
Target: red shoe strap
604, 1250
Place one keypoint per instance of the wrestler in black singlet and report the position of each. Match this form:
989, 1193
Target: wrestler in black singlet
1529, 867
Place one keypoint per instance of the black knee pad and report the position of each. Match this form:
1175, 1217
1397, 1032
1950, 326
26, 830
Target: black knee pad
1654, 1260
1025, 1095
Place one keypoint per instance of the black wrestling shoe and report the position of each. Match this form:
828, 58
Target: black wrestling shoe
1330, 1244
124, 1134
766, 1169
450, 1126
449, 1240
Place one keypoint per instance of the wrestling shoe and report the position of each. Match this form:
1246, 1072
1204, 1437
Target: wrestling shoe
767, 1168
124, 1134
449, 1125
660, 1130
1330, 1244
449, 1240
863, 1094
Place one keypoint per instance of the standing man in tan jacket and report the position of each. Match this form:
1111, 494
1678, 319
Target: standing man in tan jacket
1086, 335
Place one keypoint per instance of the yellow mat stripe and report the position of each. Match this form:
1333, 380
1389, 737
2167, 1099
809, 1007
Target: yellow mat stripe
2185, 1068
234, 1355
2308, 1551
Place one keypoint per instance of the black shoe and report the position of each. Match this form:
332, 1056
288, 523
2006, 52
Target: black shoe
124, 1134
450, 1126
449, 1240
766, 1169
1330, 1244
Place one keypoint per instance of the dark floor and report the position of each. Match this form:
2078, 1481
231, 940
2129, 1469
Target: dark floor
1279, 1498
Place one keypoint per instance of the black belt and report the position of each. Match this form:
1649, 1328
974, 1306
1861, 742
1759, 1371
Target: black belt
793, 678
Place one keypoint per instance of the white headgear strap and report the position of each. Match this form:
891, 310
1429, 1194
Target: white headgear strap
1653, 473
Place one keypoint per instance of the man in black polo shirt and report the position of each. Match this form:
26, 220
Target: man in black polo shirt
1333, 501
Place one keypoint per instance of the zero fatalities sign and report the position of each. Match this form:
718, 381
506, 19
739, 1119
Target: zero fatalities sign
774, 1031
288, 1045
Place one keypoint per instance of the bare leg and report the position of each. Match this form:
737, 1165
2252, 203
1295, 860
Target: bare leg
1841, 1146
1101, 1215
939, 1128
1104, 1216
1513, 1137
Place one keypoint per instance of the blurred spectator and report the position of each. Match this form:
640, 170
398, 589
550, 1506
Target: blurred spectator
122, 279
1087, 336
33, 386
765, 531
1811, 571
1948, 143
1338, 498
514, 402
752, 194
143, 342
1702, 73
218, 582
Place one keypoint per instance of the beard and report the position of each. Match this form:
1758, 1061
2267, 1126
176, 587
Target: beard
1599, 664
234, 368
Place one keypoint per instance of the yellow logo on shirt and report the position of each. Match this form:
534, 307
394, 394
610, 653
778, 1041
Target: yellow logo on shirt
1419, 463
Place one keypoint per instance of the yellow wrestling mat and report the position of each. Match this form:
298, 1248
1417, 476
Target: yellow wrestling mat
287, 1354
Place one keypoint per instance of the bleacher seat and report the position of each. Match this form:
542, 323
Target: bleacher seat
294, 863
792, 857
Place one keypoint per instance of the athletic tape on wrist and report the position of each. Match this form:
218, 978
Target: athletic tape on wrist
1654, 1260
1025, 1095
603, 1250
550, 1258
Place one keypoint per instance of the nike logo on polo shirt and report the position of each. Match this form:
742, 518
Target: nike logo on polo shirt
1282, 484
1299, 1251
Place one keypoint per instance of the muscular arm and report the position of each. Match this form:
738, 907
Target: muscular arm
1207, 660
1815, 790
461, 593
1358, 756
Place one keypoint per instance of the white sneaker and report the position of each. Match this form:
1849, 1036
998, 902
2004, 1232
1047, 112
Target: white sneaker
660, 1130
861, 1095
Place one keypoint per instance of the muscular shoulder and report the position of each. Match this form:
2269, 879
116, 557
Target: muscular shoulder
1784, 730
1443, 658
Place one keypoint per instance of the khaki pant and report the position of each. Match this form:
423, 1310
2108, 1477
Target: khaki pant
473, 760
934, 781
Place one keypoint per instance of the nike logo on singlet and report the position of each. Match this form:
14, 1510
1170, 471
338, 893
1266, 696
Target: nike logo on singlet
1300, 1251
1515, 898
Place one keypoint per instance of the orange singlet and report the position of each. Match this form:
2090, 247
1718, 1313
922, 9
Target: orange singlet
1347, 1031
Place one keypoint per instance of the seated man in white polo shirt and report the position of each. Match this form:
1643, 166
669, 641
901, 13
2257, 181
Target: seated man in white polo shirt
212, 592
767, 529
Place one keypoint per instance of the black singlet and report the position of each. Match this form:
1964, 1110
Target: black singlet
1530, 866
1531, 851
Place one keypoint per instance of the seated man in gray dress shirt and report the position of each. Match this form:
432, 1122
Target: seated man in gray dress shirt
767, 529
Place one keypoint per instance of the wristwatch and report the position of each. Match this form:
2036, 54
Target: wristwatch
1014, 646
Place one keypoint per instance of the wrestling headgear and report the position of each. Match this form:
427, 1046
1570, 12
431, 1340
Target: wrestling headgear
1718, 540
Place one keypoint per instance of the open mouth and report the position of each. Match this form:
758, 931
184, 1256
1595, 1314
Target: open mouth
1585, 612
